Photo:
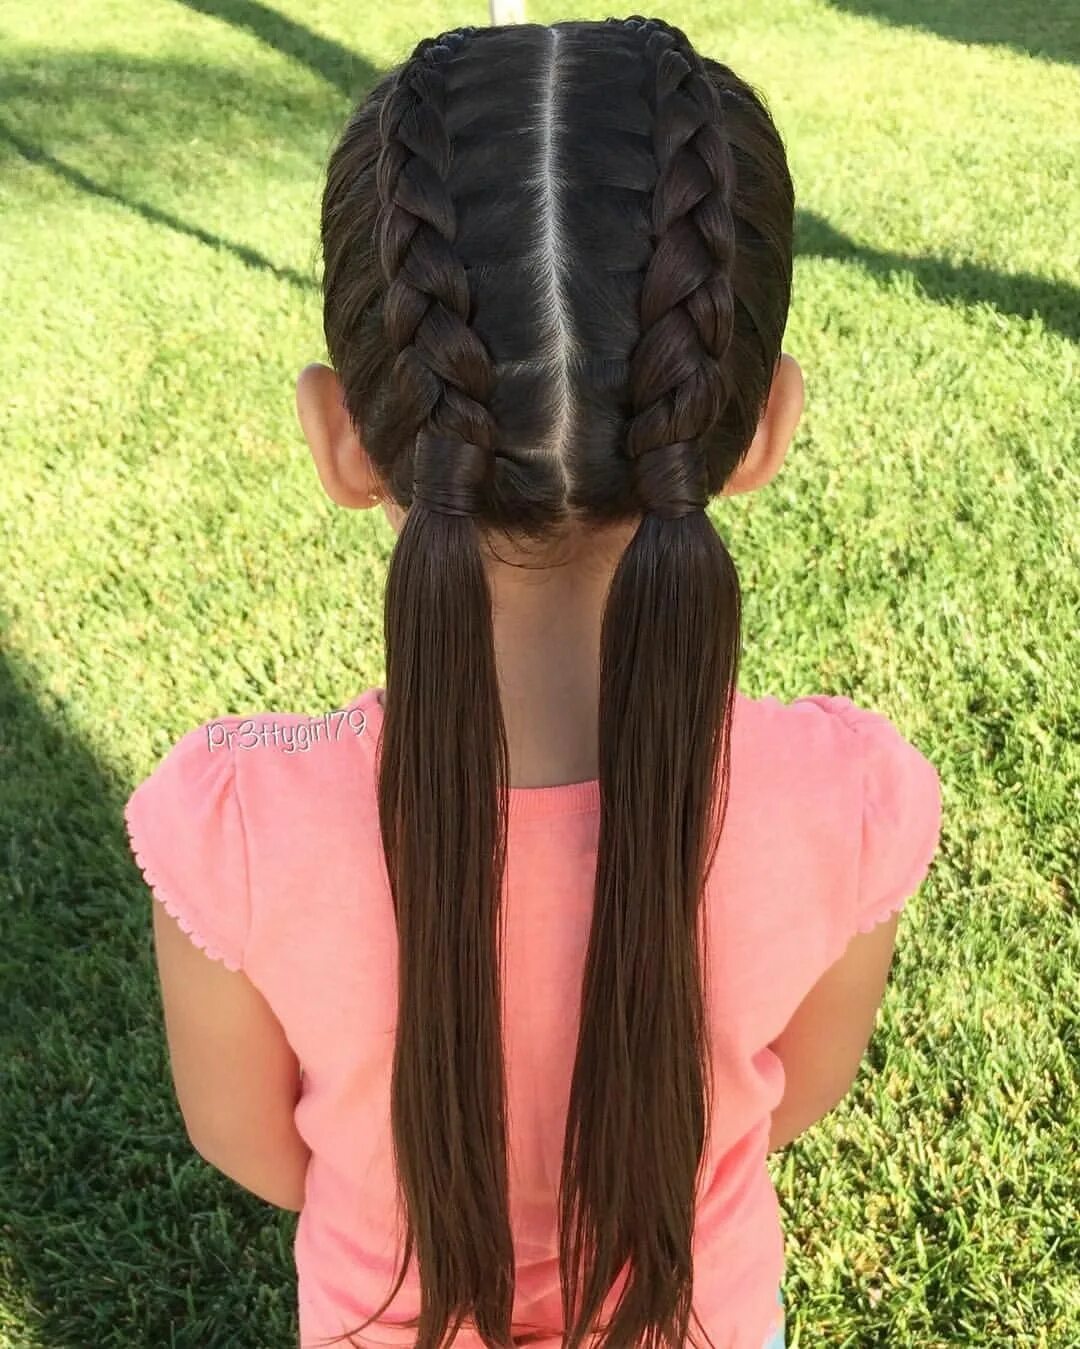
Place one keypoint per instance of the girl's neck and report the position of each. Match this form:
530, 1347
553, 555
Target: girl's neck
547, 621
547, 650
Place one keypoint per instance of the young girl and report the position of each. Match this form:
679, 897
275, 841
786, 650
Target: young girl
508, 974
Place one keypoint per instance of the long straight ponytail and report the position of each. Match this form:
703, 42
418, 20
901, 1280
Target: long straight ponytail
443, 764
641, 1095
442, 778
636, 1126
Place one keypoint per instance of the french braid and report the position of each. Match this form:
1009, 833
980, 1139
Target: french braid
676, 401
443, 371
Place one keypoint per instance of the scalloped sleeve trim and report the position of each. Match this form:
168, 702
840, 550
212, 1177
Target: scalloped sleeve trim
172, 907
186, 832
878, 914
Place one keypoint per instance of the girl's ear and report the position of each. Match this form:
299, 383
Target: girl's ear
767, 451
341, 461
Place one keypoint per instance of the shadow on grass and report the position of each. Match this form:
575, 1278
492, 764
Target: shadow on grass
114, 1231
156, 137
967, 283
339, 66
250, 256
1046, 28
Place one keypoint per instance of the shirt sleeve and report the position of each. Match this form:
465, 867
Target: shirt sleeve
186, 833
901, 818
901, 815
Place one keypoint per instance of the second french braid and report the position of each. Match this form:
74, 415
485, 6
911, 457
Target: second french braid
675, 400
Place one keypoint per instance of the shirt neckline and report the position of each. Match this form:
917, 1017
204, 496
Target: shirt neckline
567, 798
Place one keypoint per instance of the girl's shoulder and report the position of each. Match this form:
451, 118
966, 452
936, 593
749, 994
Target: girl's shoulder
239, 794
270, 754
833, 725
853, 782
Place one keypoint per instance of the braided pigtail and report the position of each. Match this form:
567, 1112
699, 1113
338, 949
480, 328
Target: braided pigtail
641, 1094
443, 761
558, 268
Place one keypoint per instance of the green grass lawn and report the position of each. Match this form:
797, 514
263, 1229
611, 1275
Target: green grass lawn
166, 556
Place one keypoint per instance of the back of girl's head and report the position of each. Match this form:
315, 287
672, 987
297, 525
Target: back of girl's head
565, 246
557, 276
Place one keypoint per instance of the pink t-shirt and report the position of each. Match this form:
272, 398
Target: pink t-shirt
269, 855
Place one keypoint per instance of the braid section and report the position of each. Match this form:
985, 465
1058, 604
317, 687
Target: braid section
677, 370
443, 373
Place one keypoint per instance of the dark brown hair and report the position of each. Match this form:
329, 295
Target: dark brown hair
557, 276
